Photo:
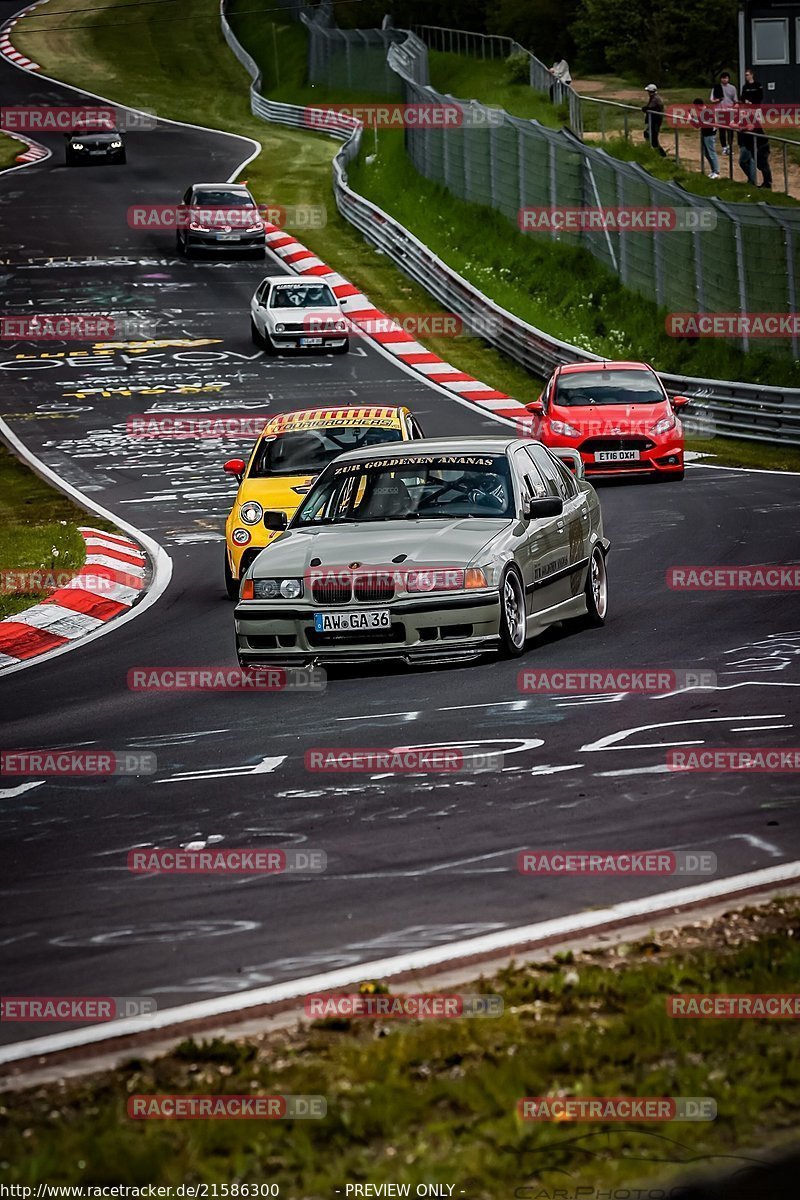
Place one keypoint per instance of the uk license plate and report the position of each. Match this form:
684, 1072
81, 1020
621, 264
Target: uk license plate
310, 341
616, 456
345, 622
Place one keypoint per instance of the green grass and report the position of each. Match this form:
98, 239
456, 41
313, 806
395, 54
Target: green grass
563, 291
488, 80
38, 530
9, 149
434, 1101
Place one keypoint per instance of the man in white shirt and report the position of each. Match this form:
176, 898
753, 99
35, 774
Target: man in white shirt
724, 95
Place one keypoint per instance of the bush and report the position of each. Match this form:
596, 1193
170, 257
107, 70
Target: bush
518, 68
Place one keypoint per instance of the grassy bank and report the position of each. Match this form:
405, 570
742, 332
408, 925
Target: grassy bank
563, 291
9, 149
435, 1101
38, 531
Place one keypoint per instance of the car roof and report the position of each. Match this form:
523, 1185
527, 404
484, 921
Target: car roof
335, 415
228, 187
315, 282
459, 445
603, 365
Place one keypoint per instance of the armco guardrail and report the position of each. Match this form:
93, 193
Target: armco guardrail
753, 412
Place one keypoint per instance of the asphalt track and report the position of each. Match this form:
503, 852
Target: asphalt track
412, 861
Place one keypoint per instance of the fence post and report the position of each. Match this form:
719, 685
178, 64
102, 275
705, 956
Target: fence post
785, 171
622, 240
791, 282
740, 269
699, 288
658, 256
553, 188
521, 169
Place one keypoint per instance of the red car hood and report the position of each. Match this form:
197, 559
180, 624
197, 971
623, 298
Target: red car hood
606, 420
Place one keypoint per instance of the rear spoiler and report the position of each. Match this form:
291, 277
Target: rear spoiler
570, 458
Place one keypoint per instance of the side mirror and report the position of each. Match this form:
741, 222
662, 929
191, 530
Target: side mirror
680, 401
275, 519
234, 466
536, 406
548, 506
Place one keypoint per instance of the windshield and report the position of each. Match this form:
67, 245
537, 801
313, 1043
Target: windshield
302, 296
584, 388
424, 487
307, 451
216, 199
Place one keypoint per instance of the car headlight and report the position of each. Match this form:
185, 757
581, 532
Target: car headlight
77, 146
251, 512
198, 227
440, 580
279, 328
665, 424
340, 326
240, 537
271, 589
563, 429
116, 145
258, 227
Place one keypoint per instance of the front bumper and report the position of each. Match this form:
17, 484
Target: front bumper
292, 340
424, 629
655, 458
196, 240
96, 156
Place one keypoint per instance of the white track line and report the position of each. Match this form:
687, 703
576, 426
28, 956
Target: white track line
491, 945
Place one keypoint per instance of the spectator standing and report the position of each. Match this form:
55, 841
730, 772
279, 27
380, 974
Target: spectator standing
561, 73
724, 95
752, 93
746, 138
708, 142
653, 118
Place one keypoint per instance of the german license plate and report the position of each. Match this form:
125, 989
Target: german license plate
343, 622
616, 456
310, 341
228, 237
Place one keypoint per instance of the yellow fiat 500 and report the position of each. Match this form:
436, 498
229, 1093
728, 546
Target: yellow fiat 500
292, 450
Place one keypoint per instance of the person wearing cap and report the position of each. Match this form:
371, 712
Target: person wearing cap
653, 118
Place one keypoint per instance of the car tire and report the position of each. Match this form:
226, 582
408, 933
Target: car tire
512, 615
255, 336
596, 591
122, 158
231, 584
